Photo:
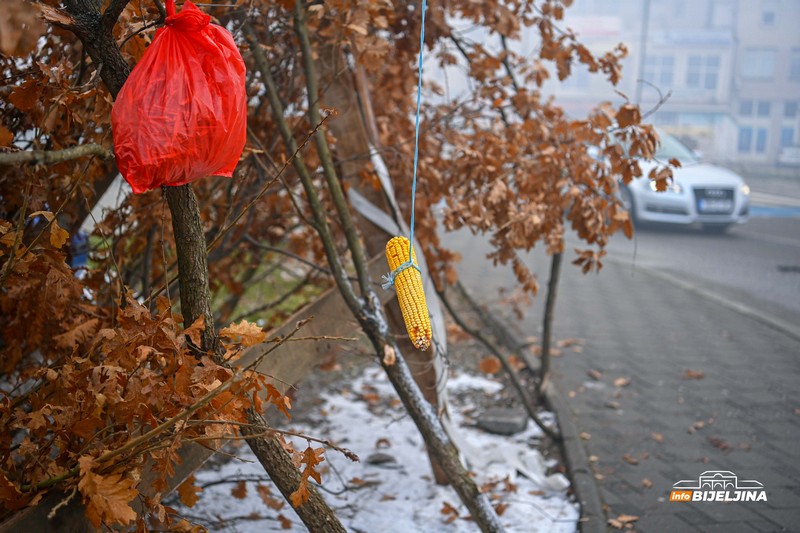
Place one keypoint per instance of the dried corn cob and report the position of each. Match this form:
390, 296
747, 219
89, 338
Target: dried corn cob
410, 295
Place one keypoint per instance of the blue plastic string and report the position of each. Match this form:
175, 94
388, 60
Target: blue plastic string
388, 280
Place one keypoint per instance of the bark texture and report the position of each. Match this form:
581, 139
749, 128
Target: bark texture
50, 157
547, 326
315, 513
95, 33
439, 445
190, 246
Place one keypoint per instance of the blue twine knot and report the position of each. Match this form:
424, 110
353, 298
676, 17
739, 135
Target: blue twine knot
388, 279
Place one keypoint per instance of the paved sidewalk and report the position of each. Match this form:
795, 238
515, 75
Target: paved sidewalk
660, 424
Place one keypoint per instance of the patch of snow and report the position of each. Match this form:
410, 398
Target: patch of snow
462, 382
398, 496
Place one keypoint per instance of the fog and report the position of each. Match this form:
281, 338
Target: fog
726, 73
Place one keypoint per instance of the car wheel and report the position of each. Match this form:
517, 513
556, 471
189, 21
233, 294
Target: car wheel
626, 198
716, 228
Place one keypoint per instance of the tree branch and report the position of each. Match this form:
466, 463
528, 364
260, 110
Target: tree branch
52, 157
111, 15
370, 316
328, 167
320, 221
85, 21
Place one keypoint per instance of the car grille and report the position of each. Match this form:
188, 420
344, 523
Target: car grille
714, 201
669, 210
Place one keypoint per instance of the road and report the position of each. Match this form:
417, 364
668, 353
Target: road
757, 263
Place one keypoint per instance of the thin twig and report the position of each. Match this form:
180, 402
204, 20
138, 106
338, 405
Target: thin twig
227, 228
287, 253
320, 221
662, 99
63, 503
323, 150
268, 431
23, 214
238, 375
515, 381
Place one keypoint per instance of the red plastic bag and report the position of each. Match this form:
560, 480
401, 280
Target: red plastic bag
182, 113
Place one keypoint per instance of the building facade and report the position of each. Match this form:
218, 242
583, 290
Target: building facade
730, 69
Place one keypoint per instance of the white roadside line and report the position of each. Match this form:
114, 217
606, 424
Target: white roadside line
766, 199
792, 330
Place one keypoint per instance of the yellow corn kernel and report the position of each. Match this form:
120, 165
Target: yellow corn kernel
410, 295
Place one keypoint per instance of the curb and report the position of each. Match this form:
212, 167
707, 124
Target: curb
587, 493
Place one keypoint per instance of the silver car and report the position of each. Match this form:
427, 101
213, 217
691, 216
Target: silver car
700, 193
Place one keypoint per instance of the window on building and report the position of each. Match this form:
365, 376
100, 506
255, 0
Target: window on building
787, 137
746, 108
745, 139
761, 140
794, 65
659, 70
703, 72
759, 63
712, 72
763, 108
790, 109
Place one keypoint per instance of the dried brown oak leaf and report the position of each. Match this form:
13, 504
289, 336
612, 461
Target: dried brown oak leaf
106, 497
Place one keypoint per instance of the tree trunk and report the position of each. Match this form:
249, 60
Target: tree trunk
196, 302
315, 513
190, 246
547, 326
95, 33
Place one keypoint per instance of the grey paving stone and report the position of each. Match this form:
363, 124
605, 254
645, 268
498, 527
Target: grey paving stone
783, 519
727, 513
666, 523
742, 527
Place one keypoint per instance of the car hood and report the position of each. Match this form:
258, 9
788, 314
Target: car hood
706, 174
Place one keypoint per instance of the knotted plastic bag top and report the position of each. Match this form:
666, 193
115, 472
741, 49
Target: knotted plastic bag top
182, 113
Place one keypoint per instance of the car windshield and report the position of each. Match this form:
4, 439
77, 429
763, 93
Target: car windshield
670, 147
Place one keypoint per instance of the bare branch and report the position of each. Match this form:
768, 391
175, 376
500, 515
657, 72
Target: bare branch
515, 381
320, 222
52, 157
326, 160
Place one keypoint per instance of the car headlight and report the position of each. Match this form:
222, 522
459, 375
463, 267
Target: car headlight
745, 189
673, 187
